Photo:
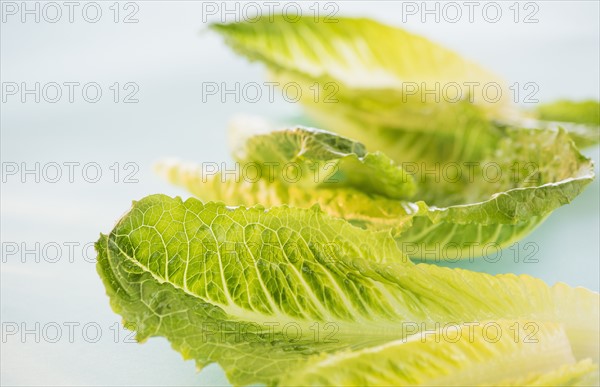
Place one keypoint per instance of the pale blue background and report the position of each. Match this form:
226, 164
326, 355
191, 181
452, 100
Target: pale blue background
169, 58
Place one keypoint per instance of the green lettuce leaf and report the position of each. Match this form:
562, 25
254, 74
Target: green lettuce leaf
582, 119
375, 76
583, 373
395, 91
377, 92
248, 288
493, 204
535, 172
358, 208
584, 112
313, 157
461, 355
362, 71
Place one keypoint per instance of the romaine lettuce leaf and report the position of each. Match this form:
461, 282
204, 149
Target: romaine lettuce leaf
249, 288
583, 373
394, 91
459, 355
583, 112
370, 67
358, 208
581, 119
497, 201
375, 92
375, 102
311, 157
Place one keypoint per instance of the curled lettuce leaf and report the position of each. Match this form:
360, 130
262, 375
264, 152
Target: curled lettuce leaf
318, 158
264, 292
533, 172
